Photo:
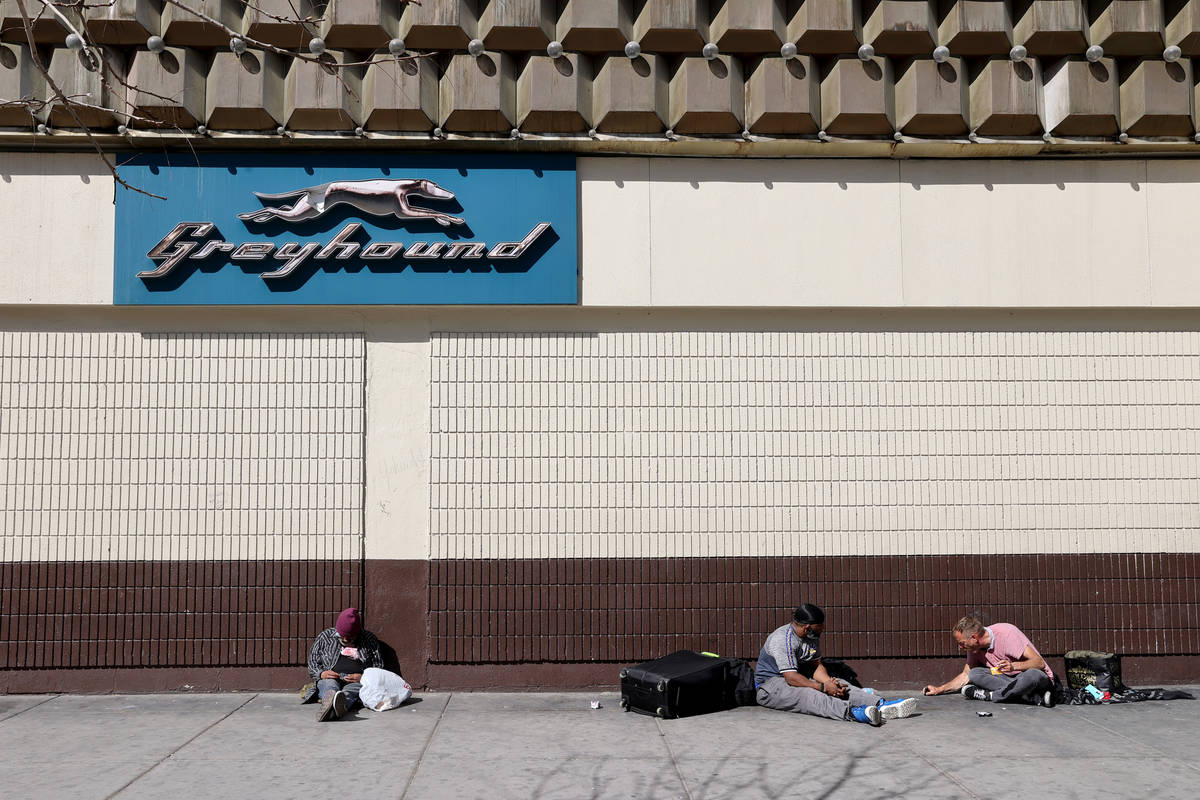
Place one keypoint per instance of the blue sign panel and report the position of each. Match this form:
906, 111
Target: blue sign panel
346, 229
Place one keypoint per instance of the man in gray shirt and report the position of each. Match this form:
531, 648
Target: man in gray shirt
790, 677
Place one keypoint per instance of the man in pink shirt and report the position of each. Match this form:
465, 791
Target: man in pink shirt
1002, 666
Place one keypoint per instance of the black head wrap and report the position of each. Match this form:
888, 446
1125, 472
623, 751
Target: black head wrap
808, 614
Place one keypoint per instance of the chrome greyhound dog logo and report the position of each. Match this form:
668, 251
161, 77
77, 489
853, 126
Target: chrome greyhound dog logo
194, 241
376, 197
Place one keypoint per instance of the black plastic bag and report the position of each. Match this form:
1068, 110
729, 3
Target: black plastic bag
1102, 670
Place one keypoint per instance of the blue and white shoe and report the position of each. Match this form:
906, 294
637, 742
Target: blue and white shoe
868, 714
897, 709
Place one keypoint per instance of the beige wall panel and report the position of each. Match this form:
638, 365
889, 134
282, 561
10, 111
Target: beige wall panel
57, 240
774, 233
1010, 233
180, 446
612, 443
1173, 194
614, 248
611, 432
397, 438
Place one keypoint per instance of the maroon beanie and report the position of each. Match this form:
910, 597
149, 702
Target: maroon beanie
349, 624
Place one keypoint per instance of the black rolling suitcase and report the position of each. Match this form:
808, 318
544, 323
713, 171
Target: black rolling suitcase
685, 684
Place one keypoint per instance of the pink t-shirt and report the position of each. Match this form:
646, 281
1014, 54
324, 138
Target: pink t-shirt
1008, 644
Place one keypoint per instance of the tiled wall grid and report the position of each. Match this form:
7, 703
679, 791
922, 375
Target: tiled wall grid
177, 499
774, 68
667, 444
130, 446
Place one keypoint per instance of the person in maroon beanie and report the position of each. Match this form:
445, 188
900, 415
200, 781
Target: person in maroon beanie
336, 663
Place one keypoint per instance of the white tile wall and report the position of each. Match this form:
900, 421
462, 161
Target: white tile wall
180, 446
699, 444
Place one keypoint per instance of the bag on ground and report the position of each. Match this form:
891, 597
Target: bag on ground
686, 683
1102, 670
382, 689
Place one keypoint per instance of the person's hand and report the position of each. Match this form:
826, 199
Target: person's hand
931, 690
1005, 666
354, 678
329, 675
834, 689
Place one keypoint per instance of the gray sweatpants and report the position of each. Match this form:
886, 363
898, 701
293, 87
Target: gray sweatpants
778, 694
1019, 688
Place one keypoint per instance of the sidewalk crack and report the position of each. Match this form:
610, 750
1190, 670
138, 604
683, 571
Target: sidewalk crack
200, 733
421, 758
35, 705
667, 743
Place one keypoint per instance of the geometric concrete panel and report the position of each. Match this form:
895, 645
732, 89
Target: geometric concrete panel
478, 94
167, 88
672, 26
246, 92
181, 28
1127, 27
1006, 98
400, 95
517, 24
98, 90
857, 97
554, 95
827, 27
1183, 26
631, 95
444, 25
277, 22
1156, 99
931, 98
748, 26
47, 29
900, 27
783, 96
707, 96
1081, 98
122, 21
361, 24
321, 97
19, 80
976, 27
591, 27
1051, 27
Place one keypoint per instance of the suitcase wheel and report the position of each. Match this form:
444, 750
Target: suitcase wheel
624, 703
662, 686
660, 711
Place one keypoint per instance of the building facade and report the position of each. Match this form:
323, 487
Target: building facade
874, 360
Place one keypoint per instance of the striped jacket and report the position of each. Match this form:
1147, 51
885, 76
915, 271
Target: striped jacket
324, 654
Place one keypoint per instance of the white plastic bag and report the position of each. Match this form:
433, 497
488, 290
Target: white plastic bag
382, 690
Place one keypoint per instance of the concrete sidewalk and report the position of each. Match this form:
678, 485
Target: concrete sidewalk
466, 745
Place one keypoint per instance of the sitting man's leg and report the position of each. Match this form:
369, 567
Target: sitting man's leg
778, 694
1029, 686
332, 699
351, 691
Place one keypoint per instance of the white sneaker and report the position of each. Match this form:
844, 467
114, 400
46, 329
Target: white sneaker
898, 709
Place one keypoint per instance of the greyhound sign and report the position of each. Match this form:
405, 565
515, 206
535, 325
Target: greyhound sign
261, 231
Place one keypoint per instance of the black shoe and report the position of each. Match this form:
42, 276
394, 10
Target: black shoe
339, 704
973, 692
1044, 699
